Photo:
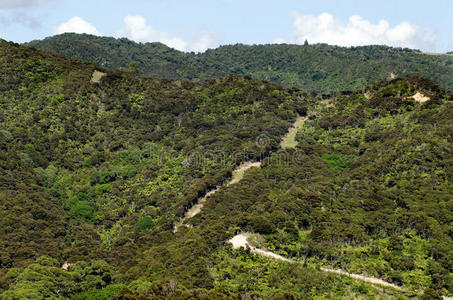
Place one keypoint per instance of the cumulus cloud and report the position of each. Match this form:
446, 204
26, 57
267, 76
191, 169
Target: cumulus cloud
76, 25
18, 3
358, 31
137, 29
203, 42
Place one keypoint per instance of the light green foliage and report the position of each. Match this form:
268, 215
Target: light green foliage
48, 176
169, 178
26, 159
133, 67
338, 162
405, 257
46, 280
140, 285
137, 102
81, 206
147, 223
103, 294
7, 135
241, 272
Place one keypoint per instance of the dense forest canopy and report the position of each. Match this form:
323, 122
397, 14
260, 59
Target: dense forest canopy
97, 166
319, 67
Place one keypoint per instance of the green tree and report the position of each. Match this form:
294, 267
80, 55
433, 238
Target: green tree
133, 67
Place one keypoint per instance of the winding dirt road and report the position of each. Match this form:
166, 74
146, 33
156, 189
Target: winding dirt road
241, 241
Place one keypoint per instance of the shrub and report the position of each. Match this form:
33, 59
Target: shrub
48, 176
83, 210
144, 223
7, 135
108, 292
338, 162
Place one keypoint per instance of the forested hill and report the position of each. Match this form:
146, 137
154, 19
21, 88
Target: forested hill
97, 166
320, 67
89, 158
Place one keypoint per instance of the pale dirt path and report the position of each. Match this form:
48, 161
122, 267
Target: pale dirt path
237, 176
371, 280
241, 241
196, 209
420, 98
289, 140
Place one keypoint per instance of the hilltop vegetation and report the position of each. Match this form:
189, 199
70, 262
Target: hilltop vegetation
96, 170
321, 68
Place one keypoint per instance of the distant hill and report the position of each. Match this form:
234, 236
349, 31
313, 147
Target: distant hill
319, 67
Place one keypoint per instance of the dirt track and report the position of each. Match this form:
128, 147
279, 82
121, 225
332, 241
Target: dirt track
241, 241
238, 174
288, 141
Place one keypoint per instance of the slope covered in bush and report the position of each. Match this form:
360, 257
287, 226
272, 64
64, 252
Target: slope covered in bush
96, 170
386, 213
85, 164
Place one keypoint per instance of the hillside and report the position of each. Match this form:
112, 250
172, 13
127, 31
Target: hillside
321, 68
99, 166
368, 189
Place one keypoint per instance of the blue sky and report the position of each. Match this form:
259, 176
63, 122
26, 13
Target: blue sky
194, 25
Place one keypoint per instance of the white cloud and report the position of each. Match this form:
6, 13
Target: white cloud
202, 43
358, 31
76, 25
136, 28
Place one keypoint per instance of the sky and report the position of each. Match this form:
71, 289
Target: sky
196, 25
